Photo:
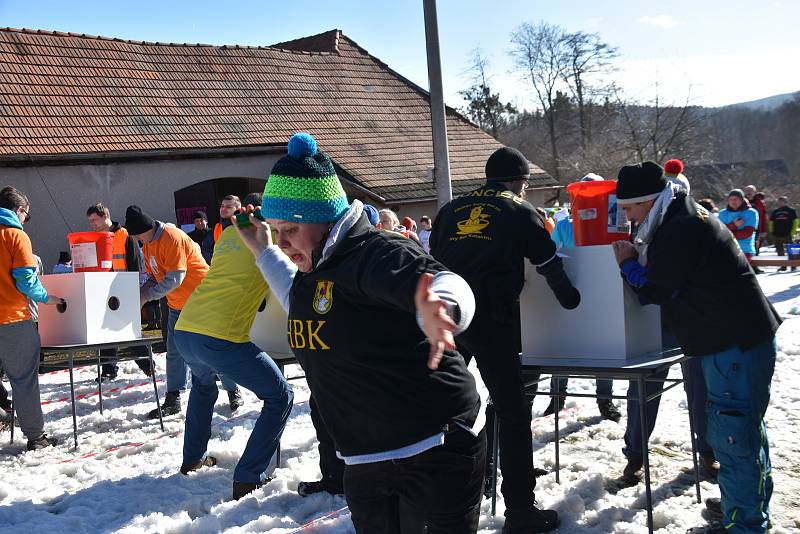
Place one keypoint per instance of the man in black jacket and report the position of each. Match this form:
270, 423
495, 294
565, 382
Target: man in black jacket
689, 263
783, 226
485, 236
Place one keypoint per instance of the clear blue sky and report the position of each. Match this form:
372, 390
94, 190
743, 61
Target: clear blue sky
725, 51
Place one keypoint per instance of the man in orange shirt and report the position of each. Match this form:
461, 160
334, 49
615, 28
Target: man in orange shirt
176, 268
125, 258
19, 340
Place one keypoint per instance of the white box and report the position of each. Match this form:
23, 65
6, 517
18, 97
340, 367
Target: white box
609, 323
269, 330
101, 308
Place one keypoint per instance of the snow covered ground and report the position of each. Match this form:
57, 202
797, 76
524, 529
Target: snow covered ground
124, 477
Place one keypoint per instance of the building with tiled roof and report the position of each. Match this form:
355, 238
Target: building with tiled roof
174, 127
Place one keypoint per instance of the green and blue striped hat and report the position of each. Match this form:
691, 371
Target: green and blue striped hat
303, 186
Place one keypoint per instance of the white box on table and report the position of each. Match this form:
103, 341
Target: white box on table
101, 308
609, 323
269, 330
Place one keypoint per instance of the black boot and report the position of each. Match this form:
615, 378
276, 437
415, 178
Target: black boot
530, 521
240, 489
633, 470
235, 399
41, 442
608, 410
170, 406
551, 407
317, 486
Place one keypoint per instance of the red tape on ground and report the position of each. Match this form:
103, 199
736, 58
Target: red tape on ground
105, 391
317, 521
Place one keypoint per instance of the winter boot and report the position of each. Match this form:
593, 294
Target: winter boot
41, 442
530, 521
714, 508
235, 399
710, 464
711, 528
608, 410
317, 486
208, 461
550, 410
240, 489
170, 406
5, 420
633, 470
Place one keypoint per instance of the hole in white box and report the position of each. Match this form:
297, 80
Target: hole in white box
113, 303
61, 307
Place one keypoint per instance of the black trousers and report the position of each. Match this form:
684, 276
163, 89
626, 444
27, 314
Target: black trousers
495, 348
330, 465
440, 488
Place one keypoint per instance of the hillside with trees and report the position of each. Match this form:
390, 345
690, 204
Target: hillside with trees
584, 123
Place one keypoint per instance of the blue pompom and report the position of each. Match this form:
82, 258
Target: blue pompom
302, 145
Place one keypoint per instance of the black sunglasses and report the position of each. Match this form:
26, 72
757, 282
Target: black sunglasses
27, 215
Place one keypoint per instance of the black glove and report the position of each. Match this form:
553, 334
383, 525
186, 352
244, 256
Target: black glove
557, 279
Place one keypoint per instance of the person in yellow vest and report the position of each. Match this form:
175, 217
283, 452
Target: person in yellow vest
126, 257
175, 268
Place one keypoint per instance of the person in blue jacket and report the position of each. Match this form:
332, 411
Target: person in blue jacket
742, 221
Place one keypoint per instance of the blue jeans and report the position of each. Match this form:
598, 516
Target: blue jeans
177, 370
738, 385
693, 383
249, 366
604, 385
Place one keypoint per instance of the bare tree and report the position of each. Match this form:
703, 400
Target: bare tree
540, 55
587, 56
483, 106
656, 131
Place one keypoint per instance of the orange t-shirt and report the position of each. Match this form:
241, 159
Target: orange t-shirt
174, 250
15, 251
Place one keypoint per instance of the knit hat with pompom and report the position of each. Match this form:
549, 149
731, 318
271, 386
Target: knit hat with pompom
303, 186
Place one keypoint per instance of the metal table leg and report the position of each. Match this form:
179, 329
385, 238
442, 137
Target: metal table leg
278, 448
155, 386
556, 404
645, 453
99, 383
694, 451
495, 455
72, 398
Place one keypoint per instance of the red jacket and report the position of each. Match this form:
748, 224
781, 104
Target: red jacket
763, 221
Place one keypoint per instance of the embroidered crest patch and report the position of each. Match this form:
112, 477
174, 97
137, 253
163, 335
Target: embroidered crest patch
323, 297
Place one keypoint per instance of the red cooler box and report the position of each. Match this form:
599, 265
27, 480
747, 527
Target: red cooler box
597, 219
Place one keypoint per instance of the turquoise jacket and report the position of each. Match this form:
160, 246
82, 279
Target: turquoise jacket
24, 277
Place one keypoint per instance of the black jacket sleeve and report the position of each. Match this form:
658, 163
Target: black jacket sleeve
537, 245
131, 255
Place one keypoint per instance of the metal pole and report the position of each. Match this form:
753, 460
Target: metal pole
441, 159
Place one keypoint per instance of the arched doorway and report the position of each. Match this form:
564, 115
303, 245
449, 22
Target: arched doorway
206, 196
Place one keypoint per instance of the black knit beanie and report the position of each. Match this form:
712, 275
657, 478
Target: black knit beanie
138, 222
507, 165
640, 182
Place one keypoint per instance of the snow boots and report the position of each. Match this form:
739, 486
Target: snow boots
530, 521
317, 486
608, 410
208, 461
235, 399
240, 489
41, 442
171, 405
